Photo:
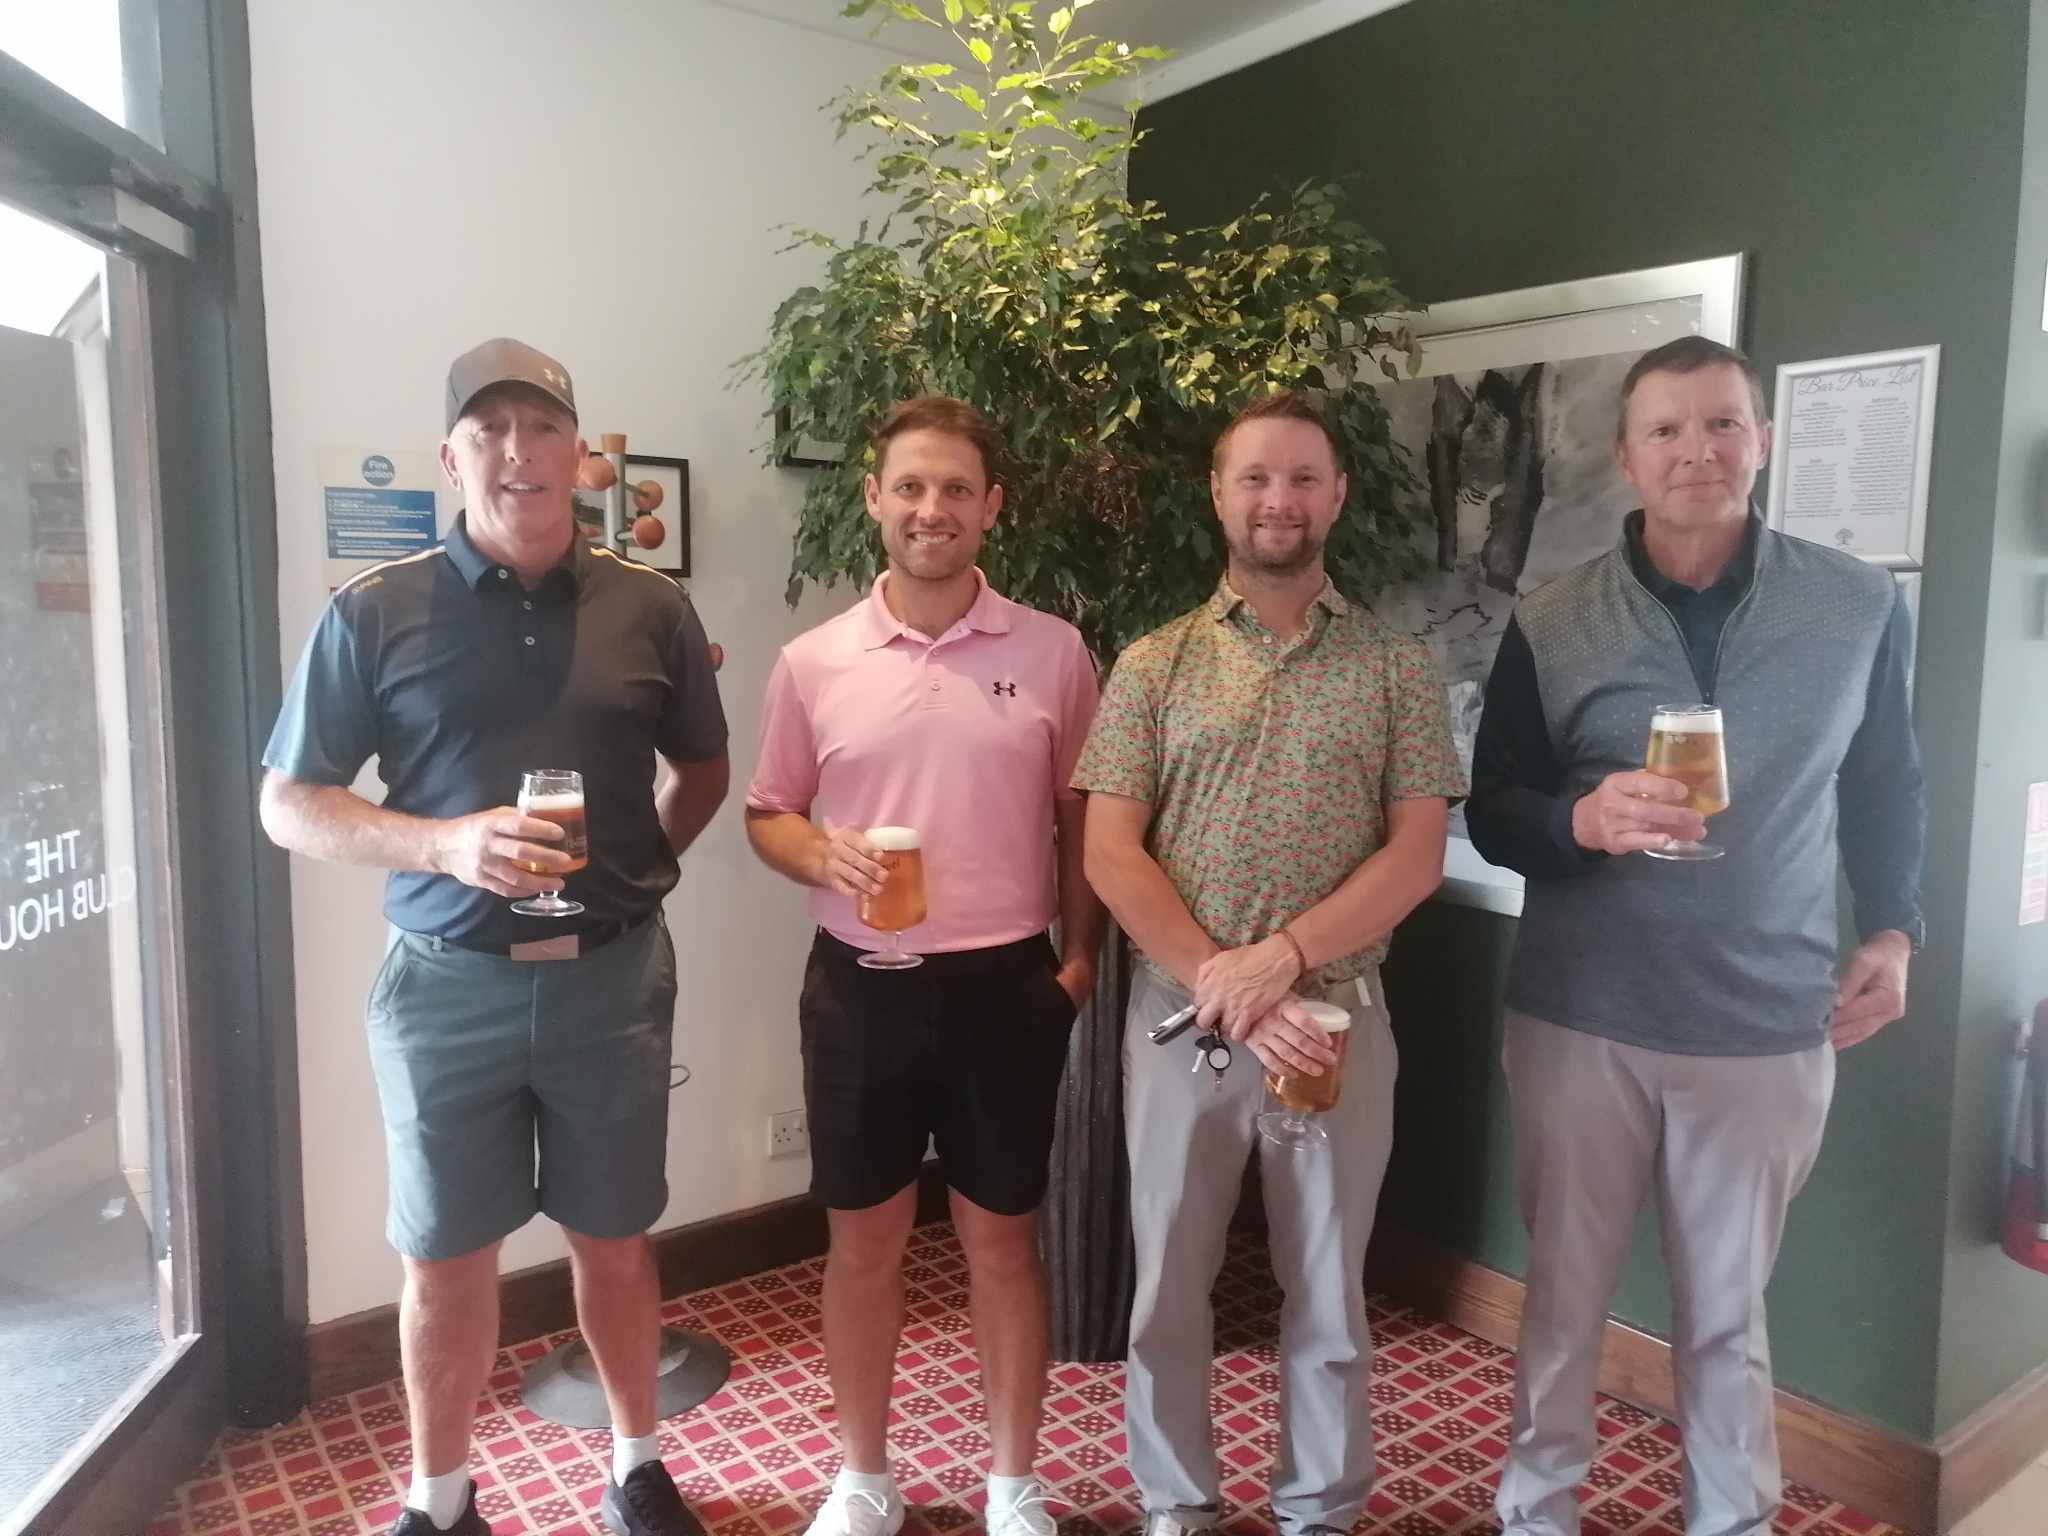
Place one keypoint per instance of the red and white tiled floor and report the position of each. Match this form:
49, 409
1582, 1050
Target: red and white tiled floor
756, 1459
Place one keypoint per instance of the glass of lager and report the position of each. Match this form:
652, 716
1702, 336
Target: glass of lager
1299, 1102
555, 794
901, 903
1685, 744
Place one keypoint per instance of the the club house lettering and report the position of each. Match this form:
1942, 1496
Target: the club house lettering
27, 919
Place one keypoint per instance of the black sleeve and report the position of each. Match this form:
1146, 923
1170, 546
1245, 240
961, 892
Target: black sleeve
1882, 795
1519, 815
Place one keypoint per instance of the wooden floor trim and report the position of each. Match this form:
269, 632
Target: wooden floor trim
1993, 1446
361, 1350
1873, 1470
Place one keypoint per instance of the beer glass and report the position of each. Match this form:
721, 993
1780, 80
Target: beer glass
1685, 744
551, 794
901, 903
1296, 1118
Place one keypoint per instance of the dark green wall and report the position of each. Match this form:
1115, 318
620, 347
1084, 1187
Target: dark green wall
1994, 1313
1866, 158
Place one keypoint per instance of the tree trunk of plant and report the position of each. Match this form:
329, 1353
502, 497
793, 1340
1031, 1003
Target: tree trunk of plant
1085, 1224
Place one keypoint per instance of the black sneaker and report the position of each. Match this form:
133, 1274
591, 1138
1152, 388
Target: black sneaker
414, 1522
647, 1504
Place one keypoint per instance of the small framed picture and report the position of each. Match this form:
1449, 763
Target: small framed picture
805, 452
1851, 449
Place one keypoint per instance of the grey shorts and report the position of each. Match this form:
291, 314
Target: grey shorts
511, 1087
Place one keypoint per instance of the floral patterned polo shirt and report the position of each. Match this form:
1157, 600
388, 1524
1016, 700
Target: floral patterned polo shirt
1269, 764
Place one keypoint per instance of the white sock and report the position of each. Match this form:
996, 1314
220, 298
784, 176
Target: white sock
629, 1451
439, 1498
881, 1484
1006, 1491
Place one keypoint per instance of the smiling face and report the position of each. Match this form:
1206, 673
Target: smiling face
513, 454
932, 499
1691, 446
1277, 493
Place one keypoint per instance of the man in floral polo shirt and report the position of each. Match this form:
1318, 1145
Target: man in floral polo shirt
1268, 778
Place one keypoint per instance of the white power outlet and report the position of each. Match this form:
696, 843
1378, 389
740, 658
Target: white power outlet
789, 1134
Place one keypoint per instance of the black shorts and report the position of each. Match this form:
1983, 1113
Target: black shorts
966, 1050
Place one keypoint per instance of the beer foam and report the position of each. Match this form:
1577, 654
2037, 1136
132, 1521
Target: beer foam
567, 800
1685, 723
893, 839
1327, 1015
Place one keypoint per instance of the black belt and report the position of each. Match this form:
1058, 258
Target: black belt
596, 936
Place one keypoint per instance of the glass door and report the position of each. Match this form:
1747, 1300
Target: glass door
151, 1248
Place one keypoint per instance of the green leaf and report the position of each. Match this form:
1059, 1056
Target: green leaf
969, 97
978, 46
954, 11
1061, 20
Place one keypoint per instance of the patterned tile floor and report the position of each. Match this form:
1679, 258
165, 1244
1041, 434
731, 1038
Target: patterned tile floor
756, 1459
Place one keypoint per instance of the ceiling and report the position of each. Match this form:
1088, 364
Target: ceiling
1209, 37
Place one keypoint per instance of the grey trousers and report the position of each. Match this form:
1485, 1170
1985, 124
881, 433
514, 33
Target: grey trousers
1725, 1142
1188, 1141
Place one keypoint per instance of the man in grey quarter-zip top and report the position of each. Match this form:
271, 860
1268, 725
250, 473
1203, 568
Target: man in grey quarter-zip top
1673, 1025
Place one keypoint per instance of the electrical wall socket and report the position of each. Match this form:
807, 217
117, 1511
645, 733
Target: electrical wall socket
789, 1134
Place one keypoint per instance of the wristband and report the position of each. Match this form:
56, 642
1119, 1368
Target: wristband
1300, 955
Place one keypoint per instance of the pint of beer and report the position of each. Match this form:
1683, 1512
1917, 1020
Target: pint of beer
1686, 744
900, 904
1300, 1097
556, 795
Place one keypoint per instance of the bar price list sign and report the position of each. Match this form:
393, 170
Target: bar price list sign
1852, 439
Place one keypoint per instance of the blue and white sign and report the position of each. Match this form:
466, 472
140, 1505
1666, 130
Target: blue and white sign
377, 506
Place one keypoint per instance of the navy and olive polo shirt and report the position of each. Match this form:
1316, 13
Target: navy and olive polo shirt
458, 679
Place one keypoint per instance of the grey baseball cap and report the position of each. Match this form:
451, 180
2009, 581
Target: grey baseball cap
501, 360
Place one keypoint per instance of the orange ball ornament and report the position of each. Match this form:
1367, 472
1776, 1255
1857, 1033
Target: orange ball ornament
648, 495
596, 473
648, 532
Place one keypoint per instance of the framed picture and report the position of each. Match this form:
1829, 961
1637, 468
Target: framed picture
1852, 438
672, 554
1510, 430
805, 452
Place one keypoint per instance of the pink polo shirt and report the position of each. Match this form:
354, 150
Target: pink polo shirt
969, 738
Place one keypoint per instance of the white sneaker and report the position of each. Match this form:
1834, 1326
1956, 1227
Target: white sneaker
857, 1512
1164, 1522
1027, 1517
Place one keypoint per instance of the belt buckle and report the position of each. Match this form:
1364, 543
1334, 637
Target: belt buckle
566, 946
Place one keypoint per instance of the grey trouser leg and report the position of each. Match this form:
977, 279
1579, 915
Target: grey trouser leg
1188, 1141
1726, 1142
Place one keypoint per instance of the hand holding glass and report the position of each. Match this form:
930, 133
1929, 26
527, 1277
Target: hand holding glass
1296, 1119
556, 795
900, 903
1686, 745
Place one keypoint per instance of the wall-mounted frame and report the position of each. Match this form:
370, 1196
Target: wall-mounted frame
804, 452
1851, 451
673, 476
1510, 428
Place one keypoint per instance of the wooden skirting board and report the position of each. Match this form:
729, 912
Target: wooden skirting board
1876, 1471
1921, 1487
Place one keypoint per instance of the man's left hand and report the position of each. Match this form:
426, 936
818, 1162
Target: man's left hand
1872, 991
1237, 987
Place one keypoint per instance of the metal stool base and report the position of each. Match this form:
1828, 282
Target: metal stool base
563, 1386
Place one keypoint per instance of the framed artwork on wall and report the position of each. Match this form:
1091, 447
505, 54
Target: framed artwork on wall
1509, 428
672, 554
804, 452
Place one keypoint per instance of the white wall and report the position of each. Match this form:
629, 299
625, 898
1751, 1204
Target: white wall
601, 180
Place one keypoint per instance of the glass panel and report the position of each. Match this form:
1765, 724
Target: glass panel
101, 51
87, 1203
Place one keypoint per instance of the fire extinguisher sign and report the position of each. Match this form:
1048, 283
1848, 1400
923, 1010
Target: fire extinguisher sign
2034, 861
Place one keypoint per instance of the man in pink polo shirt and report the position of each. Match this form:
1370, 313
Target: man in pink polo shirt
938, 705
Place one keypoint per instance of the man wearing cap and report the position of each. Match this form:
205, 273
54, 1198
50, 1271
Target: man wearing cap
511, 646
940, 707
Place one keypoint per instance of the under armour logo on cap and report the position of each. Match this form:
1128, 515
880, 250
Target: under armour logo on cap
502, 360
1006, 690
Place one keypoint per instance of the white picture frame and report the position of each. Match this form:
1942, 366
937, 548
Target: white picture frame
1596, 326
1852, 445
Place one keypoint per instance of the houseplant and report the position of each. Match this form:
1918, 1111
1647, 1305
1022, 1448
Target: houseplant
1013, 271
